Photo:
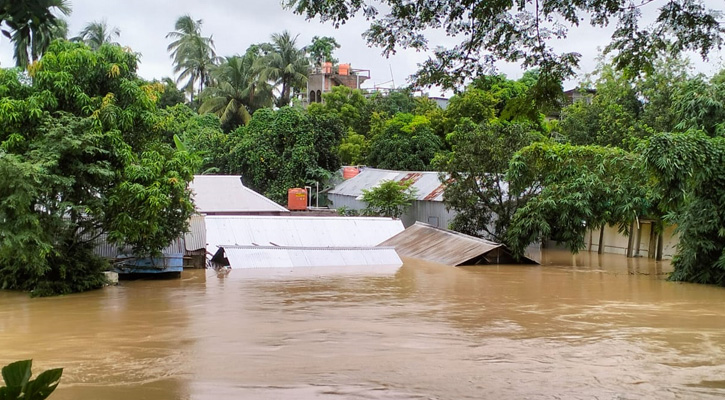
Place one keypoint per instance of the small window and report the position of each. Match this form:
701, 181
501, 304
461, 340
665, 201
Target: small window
433, 221
312, 97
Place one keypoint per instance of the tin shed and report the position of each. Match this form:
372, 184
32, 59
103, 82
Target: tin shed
428, 206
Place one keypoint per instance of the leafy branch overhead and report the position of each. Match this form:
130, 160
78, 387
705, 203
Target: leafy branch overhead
521, 31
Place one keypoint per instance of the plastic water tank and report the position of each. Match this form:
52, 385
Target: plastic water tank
297, 199
350, 172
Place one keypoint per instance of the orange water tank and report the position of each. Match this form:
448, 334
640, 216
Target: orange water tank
297, 199
343, 69
350, 172
327, 68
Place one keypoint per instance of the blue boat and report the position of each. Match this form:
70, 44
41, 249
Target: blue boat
167, 266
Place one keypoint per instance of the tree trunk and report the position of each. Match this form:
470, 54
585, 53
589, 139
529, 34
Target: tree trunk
601, 239
639, 240
630, 241
660, 245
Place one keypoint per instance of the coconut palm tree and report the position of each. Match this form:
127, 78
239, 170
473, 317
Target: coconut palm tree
194, 55
238, 90
98, 33
30, 49
286, 65
33, 25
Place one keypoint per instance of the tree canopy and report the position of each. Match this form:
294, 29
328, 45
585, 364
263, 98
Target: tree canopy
83, 158
522, 31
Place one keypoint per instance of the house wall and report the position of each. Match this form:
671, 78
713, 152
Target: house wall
430, 212
616, 243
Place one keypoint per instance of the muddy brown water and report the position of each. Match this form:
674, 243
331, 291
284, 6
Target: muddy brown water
577, 327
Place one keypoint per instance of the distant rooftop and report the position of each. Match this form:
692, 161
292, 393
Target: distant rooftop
428, 186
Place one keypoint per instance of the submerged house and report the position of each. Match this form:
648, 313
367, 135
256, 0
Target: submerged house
428, 206
258, 242
212, 195
451, 248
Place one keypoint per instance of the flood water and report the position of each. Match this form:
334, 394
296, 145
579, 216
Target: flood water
577, 327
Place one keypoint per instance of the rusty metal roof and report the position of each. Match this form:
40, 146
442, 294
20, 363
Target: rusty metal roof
427, 185
226, 194
448, 247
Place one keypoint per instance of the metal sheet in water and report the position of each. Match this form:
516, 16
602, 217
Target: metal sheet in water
251, 257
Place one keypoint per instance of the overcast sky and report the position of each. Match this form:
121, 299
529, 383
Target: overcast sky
236, 24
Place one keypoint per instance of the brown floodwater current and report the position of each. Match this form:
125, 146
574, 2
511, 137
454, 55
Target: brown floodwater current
577, 327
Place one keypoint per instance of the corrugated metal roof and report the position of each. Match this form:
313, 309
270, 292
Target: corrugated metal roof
108, 250
447, 247
226, 194
428, 186
252, 257
299, 231
195, 239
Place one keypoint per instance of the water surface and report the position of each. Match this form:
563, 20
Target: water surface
577, 327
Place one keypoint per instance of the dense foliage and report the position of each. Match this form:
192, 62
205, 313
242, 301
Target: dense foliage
83, 157
389, 198
475, 170
284, 149
690, 168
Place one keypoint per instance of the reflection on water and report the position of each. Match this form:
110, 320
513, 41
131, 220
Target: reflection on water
584, 326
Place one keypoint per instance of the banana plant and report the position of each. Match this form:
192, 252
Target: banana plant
20, 387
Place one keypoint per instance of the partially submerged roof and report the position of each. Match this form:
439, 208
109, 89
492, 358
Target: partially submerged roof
225, 194
293, 231
195, 239
428, 186
448, 247
255, 257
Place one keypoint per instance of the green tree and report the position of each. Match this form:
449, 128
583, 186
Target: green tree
193, 54
350, 105
201, 134
613, 116
689, 168
285, 65
404, 142
321, 49
389, 198
238, 90
86, 159
397, 101
288, 148
32, 25
701, 106
171, 95
98, 33
520, 32
475, 170
578, 188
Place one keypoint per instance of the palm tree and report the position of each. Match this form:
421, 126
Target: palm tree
194, 55
238, 90
34, 25
98, 33
286, 65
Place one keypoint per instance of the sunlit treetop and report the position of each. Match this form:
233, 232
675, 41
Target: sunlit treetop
520, 31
